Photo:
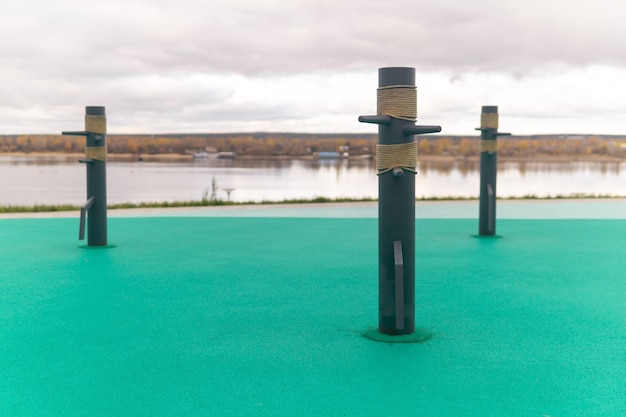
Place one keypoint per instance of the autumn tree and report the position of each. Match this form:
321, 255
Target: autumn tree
423, 147
468, 147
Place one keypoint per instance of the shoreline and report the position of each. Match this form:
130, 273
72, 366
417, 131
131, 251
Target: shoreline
554, 208
62, 210
169, 157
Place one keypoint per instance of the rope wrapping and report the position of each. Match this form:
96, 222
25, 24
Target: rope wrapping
488, 146
489, 120
99, 153
399, 101
96, 124
401, 155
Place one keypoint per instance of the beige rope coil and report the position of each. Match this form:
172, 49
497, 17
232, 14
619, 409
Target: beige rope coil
399, 101
96, 124
99, 153
401, 155
488, 146
489, 120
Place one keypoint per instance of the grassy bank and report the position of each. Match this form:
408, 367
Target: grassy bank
317, 200
169, 204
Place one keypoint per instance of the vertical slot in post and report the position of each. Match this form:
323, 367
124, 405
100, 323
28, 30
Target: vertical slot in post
83, 212
491, 204
399, 278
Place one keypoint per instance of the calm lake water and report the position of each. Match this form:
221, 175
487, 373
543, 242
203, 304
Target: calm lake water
29, 180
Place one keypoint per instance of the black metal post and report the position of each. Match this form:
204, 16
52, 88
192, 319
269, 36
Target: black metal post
396, 201
488, 170
95, 209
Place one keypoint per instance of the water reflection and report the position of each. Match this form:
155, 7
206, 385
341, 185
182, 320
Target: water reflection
36, 160
570, 167
252, 163
30, 179
256, 163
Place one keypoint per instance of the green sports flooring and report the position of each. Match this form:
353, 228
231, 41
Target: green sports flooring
252, 316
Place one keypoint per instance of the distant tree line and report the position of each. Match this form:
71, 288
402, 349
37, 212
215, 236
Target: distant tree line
296, 145
527, 147
263, 145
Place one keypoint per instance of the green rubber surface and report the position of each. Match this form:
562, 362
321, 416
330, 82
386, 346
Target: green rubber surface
206, 316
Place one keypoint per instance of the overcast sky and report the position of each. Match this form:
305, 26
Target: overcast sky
551, 66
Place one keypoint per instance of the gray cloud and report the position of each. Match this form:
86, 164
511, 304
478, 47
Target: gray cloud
252, 37
180, 65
